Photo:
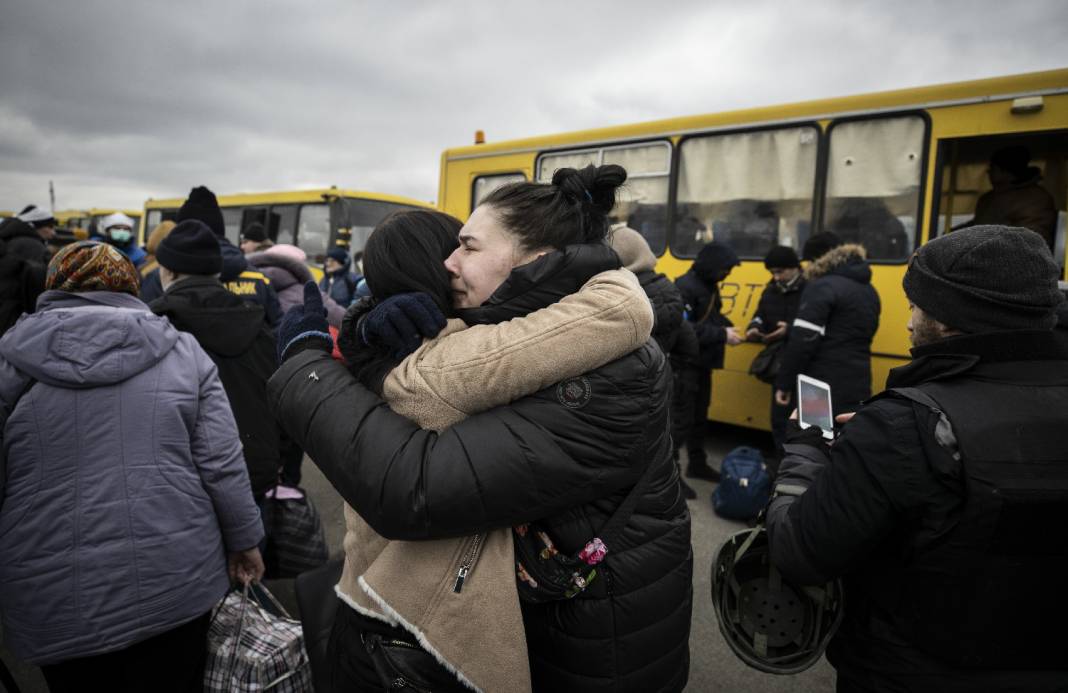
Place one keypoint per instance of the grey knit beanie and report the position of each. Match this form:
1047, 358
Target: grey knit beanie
986, 279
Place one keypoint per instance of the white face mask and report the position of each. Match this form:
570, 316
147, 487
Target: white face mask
120, 236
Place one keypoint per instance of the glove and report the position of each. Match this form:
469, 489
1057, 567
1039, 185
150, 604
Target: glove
399, 323
304, 326
813, 435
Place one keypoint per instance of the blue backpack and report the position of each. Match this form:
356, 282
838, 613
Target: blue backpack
744, 487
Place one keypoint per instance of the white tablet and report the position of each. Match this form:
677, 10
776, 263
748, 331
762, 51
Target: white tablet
814, 405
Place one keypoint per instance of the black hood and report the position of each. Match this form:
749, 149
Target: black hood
234, 262
13, 227
543, 282
222, 322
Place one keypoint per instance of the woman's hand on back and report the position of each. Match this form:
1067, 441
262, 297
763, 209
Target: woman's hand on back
401, 322
305, 326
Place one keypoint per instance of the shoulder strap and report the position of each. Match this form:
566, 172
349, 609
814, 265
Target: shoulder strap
708, 309
614, 526
944, 434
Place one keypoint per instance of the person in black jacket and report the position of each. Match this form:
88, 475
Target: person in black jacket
942, 502
23, 261
565, 457
774, 315
674, 335
236, 276
699, 288
830, 339
233, 334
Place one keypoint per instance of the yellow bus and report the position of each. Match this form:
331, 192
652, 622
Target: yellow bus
890, 170
315, 220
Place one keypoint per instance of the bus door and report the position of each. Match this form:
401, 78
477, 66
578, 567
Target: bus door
1034, 195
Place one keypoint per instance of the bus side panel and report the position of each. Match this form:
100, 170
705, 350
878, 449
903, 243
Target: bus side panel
460, 175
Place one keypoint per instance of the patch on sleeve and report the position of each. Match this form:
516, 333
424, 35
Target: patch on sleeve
574, 393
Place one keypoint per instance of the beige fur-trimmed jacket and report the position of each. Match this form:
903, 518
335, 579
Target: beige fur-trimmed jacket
477, 632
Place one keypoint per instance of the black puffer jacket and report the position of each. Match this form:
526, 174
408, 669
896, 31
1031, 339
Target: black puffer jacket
778, 303
23, 241
830, 339
21, 282
566, 461
233, 334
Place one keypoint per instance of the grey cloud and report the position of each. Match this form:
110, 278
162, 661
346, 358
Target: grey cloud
119, 101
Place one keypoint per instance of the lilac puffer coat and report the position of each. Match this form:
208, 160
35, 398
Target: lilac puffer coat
124, 486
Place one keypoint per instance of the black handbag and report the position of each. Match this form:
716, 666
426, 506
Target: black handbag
766, 364
295, 539
544, 574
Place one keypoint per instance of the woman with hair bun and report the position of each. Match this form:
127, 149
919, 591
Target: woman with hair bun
558, 459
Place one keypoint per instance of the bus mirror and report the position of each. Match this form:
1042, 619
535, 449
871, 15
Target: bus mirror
1027, 104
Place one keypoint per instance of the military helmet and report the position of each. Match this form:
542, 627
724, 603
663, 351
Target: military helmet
770, 624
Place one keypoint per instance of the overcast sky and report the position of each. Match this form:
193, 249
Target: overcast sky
120, 101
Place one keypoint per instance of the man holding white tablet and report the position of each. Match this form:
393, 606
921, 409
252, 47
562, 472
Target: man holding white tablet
943, 502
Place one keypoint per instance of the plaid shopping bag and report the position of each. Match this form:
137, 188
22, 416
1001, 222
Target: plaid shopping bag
252, 649
295, 539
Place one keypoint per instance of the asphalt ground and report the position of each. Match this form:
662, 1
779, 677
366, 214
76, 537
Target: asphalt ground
713, 667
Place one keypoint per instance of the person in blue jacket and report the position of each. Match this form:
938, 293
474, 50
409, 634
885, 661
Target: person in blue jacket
339, 282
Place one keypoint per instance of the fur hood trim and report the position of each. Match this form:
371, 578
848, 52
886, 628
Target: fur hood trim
836, 257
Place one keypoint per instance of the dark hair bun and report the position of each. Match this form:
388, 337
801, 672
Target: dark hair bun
574, 208
595, 185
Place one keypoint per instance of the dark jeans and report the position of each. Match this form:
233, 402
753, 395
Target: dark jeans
695, 441
171, 662
371, 656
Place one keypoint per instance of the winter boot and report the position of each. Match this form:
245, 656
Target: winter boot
698, 468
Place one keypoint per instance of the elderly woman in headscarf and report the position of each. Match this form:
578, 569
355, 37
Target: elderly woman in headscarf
126, 507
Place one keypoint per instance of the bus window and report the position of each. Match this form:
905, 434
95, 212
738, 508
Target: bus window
750, 190
642, 201
362, 216
282, 223
313, 231
873, 184
232, 223
484, 185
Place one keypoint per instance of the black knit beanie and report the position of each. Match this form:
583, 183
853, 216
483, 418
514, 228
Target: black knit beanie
714, 259
781, 257
191, 248
254, 232
986, 279
202, 205
820, 244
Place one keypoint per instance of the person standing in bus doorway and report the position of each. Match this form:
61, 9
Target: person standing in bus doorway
1018, 198
704, 310
254, 239
237, 276
830, 339
941, 505
774, 315
118, 230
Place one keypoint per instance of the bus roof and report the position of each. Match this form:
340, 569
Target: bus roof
991, 89
266, 198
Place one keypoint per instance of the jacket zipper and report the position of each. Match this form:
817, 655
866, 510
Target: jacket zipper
468, 562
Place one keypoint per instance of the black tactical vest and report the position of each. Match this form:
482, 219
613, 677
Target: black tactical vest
992, 592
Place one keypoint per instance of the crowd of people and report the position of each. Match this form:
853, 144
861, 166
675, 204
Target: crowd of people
502, 404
